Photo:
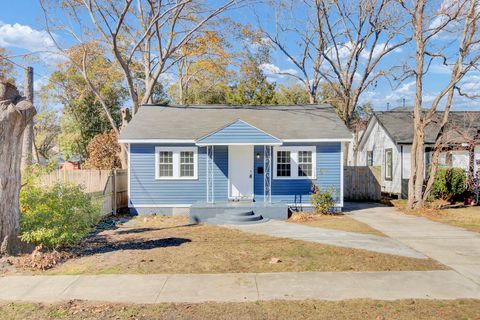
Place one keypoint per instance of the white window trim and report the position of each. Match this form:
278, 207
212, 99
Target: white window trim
387, 171
294, 162
176, 162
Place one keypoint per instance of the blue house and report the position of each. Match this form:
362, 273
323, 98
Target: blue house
209, 160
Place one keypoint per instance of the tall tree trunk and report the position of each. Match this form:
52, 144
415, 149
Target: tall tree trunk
27, 155
420, 172
417, 153
14, 115
432, 173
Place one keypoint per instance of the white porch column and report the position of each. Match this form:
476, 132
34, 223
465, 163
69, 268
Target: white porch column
267, 174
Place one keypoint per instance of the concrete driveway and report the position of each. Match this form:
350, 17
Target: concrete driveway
454, 247
339, 238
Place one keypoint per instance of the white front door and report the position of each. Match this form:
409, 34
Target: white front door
240, 171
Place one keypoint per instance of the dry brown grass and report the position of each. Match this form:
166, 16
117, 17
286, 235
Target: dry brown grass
333, 221
458, 216
308, 309
170, 245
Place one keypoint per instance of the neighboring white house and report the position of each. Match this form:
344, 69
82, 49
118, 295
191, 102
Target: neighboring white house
387, 140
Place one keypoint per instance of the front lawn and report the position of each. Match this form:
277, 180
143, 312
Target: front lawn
309, 309
334, 221
458, 216
159, 244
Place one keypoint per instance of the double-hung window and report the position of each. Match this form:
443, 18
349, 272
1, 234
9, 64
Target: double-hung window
388, 164
305, 163
176, 163
284, 163
294, 162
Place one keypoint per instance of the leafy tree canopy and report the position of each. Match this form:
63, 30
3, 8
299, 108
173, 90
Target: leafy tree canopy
83, 117
253, 87
7, 73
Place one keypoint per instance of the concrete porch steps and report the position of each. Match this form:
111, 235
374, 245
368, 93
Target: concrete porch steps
226, 212
237, 216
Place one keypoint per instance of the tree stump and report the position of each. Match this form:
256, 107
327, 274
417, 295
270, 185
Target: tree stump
15, 113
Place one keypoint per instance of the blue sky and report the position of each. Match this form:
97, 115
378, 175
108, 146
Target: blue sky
22, 32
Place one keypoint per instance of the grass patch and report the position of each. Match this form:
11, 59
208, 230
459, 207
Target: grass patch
308, 309
334, 221
160, 244
458, 216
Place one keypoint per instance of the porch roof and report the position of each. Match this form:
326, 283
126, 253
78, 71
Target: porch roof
192, 123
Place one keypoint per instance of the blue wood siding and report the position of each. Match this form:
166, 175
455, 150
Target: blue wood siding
146, 190
238, 132
298, 191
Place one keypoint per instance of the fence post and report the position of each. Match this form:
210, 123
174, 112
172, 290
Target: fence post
114, 191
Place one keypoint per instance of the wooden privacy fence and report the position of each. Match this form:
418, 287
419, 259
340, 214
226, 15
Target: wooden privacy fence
362, 183
110, 186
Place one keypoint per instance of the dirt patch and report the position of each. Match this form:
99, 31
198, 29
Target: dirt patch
161, 244
467, 217
333, 221
309, 309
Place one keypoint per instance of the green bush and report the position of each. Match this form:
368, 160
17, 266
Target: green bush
322, 201
449, 183
56, 216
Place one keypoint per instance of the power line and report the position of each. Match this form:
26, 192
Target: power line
11, 61
34, 72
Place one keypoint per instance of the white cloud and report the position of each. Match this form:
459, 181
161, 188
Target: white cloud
167, 79
24, 37
440, 69
378, 49
38, 83
343, 51
379, 98
274, 73
453, 28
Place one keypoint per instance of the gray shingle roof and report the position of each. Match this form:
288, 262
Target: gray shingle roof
194, 122
462, 126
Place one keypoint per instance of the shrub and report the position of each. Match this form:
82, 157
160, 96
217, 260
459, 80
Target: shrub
322, 201
56, 216
103, 152
449, 183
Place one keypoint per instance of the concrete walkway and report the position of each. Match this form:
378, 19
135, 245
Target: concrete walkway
332, 237
454, 247
193, 288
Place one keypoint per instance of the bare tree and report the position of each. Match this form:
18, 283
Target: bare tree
425, 29
340, 43
144, 37
15, 113
166, 27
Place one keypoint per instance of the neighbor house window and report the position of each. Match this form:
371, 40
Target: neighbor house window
370, 158
176, 163
294, 162
449, 159
388, 164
